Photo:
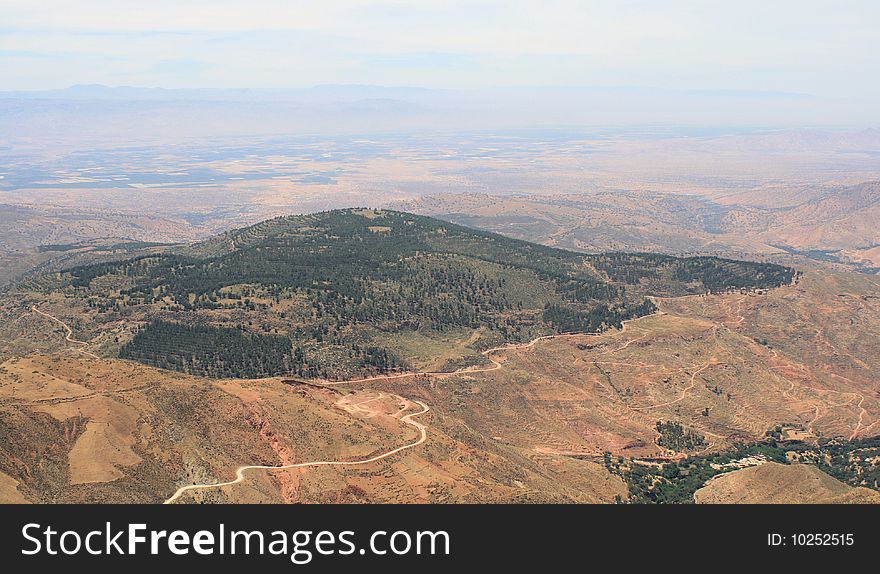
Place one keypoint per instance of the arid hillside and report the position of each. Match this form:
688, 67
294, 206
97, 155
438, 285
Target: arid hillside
532, 425
774, 483
35, 239
727, 367
23, 227
80, 429
833, 223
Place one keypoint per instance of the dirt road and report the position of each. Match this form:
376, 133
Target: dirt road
488, 354
239, 473
69, 336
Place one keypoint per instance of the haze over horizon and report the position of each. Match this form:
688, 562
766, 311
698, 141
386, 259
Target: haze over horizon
86, 112
708, 63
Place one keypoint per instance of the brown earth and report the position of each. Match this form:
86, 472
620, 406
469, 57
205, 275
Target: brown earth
78, 429
774, 483
729, 366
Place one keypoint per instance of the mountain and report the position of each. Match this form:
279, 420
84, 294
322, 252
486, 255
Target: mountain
600, 221
24, 227
839, 218
327, 93
36, 239
284, 344
346, 292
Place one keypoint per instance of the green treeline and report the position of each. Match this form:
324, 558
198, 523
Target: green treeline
711, 273
230, 352
211, 351
568, 319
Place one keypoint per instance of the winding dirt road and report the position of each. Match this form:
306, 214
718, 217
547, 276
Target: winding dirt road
239, 473
69, 336
467, 370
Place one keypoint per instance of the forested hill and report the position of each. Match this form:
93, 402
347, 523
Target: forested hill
339, 282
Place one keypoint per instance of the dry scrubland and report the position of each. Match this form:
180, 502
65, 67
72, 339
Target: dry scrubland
730, 367
79, 429
774, 483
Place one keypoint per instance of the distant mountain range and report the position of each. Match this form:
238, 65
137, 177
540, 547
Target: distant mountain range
88, 109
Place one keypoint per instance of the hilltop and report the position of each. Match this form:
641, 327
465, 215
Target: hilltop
360, 291
774, 483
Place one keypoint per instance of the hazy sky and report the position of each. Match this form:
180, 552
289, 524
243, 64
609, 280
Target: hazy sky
824, 48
